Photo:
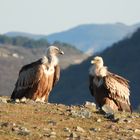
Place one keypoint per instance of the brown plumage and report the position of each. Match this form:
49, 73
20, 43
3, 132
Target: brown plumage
36, 80
108, 88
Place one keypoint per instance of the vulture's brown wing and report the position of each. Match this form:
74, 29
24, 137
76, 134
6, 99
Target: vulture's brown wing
91, 85
29, 75
56, 74
118, 88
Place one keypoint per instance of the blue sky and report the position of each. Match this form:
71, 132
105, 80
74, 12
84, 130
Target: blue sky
50, 16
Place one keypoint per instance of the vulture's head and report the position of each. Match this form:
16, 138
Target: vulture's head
101, 70
54, 51
97, 61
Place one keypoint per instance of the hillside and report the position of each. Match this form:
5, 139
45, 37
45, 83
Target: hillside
12, 58
122, 58
94, 37
28, 120
88, 37
28, 35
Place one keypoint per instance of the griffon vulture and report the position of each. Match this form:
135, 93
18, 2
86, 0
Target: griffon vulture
108, 88
36, 80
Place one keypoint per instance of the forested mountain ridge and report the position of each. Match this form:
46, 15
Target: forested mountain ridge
122, 58
88, 38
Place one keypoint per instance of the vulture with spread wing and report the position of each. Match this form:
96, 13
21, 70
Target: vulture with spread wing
36, 80
108, 88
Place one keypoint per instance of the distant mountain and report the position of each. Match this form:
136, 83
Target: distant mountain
94, 37
23, 34
89, 37
122, 58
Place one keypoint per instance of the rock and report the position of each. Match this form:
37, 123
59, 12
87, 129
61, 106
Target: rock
15, 55
133, 116
111, 117
46, 129
3, 100
130, 130
112, 127
16, 129
24, 131
135, 137
87, 104
60, 106
107, 109
90, 105
4, 124
73, 135
53, 134
21, 131
80, 129
124, 120
129, 121
83, 113
66, 129
99, 120
95, 129
13, 124
137, 131
51, 122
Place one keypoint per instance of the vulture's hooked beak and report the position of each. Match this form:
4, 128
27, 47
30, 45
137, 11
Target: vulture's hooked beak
92, 62
61, 52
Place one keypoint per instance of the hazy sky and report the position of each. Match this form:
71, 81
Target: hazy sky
49, 16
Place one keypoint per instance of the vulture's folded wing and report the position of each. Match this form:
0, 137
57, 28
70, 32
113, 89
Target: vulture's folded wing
91, 85
118, 88
56, 74
28, 77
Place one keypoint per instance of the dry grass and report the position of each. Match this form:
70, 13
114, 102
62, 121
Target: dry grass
42, 119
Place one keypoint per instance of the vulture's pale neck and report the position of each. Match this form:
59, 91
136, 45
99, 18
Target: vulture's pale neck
99, 65
44, 60
98, 70
53, 59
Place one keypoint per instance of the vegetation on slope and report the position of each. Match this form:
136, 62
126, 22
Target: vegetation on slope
31, 43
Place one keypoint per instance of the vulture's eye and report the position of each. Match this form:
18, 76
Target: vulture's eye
56, 49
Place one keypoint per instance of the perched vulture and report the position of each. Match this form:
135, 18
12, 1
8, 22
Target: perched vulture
36, 80
108, 88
